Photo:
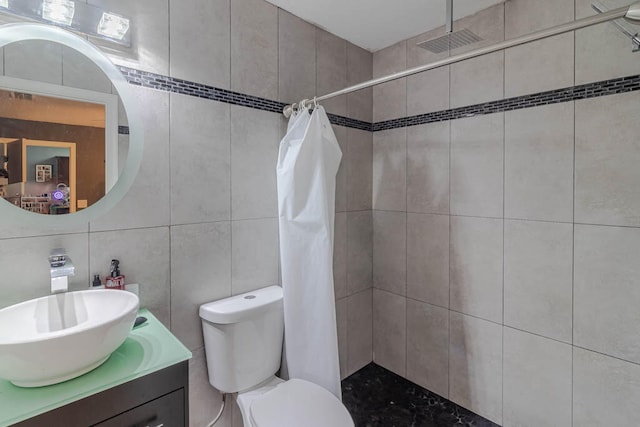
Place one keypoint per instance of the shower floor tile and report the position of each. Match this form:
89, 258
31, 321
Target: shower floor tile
376, 397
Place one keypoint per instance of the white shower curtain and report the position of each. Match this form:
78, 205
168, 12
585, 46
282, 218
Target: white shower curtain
307, 165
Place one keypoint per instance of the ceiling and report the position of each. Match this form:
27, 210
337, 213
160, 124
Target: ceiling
376, 24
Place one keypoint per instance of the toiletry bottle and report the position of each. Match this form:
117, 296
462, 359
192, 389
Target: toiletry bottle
97, 284
115, 279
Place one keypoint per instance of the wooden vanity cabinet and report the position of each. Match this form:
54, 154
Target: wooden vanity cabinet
159, 399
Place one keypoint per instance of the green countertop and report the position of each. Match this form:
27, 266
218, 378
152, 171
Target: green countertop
149, 348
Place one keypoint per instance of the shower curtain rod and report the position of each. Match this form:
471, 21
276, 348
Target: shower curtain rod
631, 12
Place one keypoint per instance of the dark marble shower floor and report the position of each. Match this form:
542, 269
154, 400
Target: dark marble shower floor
376, 397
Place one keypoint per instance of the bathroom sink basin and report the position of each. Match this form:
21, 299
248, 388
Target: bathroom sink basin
56, 338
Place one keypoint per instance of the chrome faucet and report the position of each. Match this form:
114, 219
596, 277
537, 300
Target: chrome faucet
61, 267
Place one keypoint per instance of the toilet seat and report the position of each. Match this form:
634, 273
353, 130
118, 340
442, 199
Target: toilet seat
296, 403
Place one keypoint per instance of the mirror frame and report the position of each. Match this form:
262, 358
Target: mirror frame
10, 33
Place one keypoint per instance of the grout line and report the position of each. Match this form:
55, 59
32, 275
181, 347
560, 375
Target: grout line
606, 355
169, 112
406, 219
573, 213
504, 192
449, 252
230, 264
534, 334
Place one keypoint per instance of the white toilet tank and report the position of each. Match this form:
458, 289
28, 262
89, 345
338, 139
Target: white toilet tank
243, 338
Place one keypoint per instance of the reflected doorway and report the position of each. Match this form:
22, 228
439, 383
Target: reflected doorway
42, 176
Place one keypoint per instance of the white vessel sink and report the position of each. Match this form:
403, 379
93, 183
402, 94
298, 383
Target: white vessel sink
55, 338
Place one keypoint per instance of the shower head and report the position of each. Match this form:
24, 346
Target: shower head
633, 13
450, 41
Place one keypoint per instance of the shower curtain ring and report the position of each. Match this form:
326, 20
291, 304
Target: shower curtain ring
315, 101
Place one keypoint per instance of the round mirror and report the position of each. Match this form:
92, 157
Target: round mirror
71, 141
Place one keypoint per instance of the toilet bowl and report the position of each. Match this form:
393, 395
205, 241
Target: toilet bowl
243, 345
292, 403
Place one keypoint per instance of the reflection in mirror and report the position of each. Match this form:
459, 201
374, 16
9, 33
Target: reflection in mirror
58, 129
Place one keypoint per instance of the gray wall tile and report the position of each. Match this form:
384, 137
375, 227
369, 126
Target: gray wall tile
359, 251
331, 62
428, 91
389, 331
360, 330
390, 169
341, 134
340, 256
607, 158
477, 80
538, 278
475, 365
200, 273
476, 267
428, 168
537, 374
428, 258
538, 66
296, 58
341, 324
428, 346
390, 251
25, 269
254, 254
477, 163
359, 164
390, 99
524, 17
199, 40
200, 160
147, 202
255, 136
254, 48
603, 387
538, 180
606, 277
359, 69
145, 259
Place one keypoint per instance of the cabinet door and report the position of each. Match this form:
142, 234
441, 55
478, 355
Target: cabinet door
165, 411
14, 165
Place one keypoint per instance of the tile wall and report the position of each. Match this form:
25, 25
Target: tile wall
505, 245
502, 254
200, 221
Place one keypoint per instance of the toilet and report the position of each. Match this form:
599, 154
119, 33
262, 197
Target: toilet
243, 343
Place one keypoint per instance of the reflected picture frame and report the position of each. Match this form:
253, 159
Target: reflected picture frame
43, 173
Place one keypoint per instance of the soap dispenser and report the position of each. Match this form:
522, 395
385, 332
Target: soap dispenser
115, 280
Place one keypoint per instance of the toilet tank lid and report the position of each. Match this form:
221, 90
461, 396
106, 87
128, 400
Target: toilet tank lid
237, 308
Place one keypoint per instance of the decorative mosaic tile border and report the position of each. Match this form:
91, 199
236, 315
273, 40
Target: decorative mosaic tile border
590, 90
184, 87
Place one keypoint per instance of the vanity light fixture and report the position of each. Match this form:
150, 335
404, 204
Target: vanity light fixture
74, 15
58, 11
113, 26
